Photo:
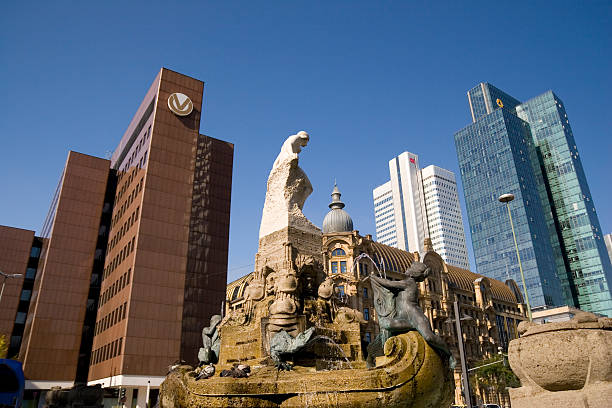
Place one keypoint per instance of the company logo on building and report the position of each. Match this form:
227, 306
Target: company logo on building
499, 103
180, 104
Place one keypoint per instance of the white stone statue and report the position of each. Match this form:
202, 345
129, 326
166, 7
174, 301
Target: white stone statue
292, 146
288, 188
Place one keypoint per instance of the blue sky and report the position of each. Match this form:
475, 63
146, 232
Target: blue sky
367, 80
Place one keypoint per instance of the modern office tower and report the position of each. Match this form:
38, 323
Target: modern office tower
415, 204
19, 253
496, 154
528, 150
134, 258
166, 263
404, 190
444, 215
573, 211
57, 336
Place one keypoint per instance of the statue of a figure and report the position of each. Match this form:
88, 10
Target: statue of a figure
211, 342
398, 311
283, 346
288, 188
292, 146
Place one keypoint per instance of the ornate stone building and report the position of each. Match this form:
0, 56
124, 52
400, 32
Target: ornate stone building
490, 309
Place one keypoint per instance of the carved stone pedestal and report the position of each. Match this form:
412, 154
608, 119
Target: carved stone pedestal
567, 364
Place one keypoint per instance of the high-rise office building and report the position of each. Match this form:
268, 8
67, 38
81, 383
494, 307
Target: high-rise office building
573, 211
527, 149
134, 251
418, 203
444, 218
59, 327
19, 255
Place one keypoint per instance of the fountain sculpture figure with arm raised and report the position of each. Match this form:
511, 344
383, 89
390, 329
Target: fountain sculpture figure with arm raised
396, 304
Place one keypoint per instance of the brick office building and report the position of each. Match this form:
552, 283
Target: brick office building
134, 259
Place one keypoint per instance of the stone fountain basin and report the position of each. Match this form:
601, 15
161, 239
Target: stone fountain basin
411, 374
563, 356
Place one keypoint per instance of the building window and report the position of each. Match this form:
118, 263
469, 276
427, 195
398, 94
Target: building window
366, 313
341, 290
25, 294
365, 293
35, 252
338, 252
235, 293
364, 269
342, 266
368, 337
334, 266
20, 318
30, 273
15, 341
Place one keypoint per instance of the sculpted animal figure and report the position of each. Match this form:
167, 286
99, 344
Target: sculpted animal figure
283, 346
398, 310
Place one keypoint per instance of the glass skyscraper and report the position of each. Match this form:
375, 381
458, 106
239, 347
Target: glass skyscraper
528, 149
574, 217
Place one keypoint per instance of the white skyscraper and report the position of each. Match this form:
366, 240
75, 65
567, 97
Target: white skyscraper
403, 204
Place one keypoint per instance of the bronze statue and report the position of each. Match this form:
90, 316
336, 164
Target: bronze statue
209, 353
397, 307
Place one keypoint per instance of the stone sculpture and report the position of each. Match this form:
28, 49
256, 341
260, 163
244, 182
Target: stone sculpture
563, 364
398, 311
292, 146
211, 342
289, 304
282, 346
288, 188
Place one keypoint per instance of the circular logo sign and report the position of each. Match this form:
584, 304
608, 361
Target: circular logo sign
499, 103
180, 104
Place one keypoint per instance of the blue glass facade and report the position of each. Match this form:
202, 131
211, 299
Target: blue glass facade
528, 149
495, 157
586, 283
485, 98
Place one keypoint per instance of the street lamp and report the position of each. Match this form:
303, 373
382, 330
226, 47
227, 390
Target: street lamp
506, 198
6, 276
464, 371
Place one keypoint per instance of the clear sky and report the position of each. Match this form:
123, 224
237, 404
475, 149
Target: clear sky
367, 80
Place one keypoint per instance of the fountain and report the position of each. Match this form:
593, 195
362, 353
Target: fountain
293, 345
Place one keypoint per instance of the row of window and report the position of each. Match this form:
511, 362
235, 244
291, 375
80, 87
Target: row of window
111, 319
116, 287
127, 202
386, 200
114, 264
125, 184
110, 350
383, 215
134, 154
124, 229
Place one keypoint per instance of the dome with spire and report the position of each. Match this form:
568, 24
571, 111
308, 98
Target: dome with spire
337, 220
